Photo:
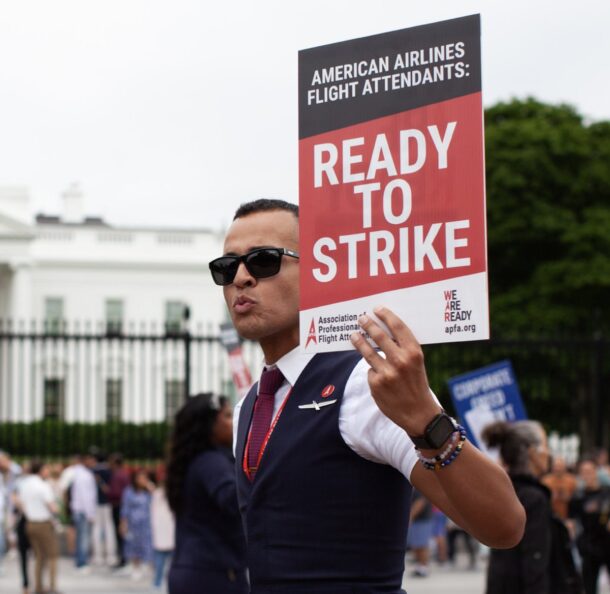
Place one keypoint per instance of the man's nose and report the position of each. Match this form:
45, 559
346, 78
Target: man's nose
243, 278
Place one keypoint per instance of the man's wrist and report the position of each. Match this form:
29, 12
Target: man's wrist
442, 459
436, 433
416, 424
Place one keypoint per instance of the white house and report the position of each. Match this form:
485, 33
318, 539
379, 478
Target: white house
75, 291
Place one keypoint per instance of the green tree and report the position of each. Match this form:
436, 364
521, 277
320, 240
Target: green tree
548, 203
548, 213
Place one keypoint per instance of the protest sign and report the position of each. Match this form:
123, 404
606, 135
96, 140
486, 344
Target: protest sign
391, 184
239, 370
486, 395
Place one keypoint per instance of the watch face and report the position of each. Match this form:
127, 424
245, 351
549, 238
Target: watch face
440, 430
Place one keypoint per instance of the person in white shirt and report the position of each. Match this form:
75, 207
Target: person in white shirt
407, 436
83, 503
22, 541
9, 471
37, 501
163, 527
65, 483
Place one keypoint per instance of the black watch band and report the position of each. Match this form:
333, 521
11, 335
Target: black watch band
437, 432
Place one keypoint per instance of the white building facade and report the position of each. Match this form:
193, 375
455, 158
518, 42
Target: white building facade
93, 316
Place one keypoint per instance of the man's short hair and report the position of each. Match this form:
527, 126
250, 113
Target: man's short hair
265, 204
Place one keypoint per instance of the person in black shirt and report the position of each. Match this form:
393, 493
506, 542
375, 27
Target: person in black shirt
103, 535
541, 563
590, 507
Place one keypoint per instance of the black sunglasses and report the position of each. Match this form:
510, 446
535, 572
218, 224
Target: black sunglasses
260, 263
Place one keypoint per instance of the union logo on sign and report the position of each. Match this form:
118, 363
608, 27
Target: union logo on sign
312, 337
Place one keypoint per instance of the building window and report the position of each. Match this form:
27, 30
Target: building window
174, 317
114, 399
114, 317
174, 397
54, 399
54, 315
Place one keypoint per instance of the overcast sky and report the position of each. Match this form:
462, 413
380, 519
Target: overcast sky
173, 112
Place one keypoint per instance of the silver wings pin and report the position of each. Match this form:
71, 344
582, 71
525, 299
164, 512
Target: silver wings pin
317, 405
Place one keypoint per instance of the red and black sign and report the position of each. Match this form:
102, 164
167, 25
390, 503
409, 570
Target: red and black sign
392, 180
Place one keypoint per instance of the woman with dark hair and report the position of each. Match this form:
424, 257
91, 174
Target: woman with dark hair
210, 548
541, 563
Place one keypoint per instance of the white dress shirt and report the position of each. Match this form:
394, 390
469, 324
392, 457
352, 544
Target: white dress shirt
364, 428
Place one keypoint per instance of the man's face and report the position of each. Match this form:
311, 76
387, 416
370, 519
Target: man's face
588, 473
266, 309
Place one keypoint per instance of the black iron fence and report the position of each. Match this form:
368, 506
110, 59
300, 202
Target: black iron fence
65, 388
564, 382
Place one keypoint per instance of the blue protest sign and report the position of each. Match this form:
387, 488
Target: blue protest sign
486, 395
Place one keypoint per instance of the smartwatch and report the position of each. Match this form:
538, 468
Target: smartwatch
437, 432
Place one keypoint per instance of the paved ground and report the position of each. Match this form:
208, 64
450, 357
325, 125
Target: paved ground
103, 581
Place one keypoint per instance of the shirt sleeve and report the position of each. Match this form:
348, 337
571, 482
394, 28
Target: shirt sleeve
236, 411
367, 431
47, 494
125, 503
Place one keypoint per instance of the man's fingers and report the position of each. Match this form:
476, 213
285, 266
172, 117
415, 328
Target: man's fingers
382, 339
399, 330
401, 348
367, 351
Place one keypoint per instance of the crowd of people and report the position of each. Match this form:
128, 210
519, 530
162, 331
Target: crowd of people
110, 515
296, 495
566, 544
106, 514
94, 508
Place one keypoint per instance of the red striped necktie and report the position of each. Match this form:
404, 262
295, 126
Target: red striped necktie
271, 380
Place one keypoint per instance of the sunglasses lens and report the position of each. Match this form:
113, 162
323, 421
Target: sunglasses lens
224, 270
264, 263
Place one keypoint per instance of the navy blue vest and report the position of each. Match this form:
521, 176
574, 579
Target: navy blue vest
318, 517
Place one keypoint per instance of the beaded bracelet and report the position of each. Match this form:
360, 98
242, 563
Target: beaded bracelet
445, 457
440, 457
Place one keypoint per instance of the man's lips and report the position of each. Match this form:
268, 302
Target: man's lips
243, 304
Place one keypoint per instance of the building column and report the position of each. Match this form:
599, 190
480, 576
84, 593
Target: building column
20, 305
16, 398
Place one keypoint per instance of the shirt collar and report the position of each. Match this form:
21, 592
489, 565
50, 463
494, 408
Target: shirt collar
292, 364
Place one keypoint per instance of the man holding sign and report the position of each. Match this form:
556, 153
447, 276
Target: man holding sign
325, 445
